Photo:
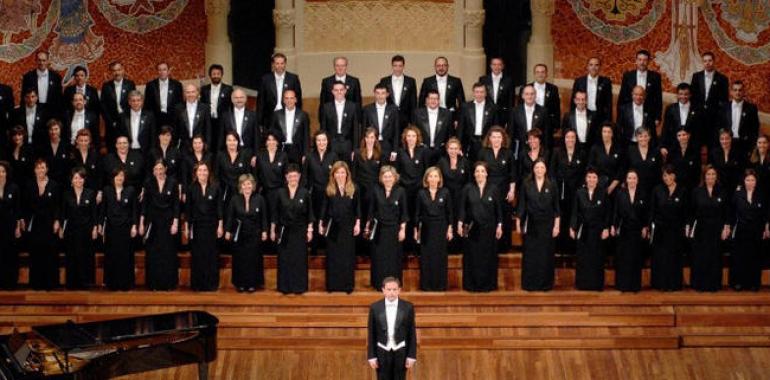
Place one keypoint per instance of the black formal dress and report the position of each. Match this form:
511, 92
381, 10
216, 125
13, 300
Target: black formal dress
503, 99
160, 207
693, 123
471, 136
709, 215
133, 165
442, 131
291, 216
585, 138
501, 171
729, 168
189, 160
434, 214
603, 96
250, 133
389, 132
246, 223
204, 211
568, 172
391, 362
711, 102
761, 166
119, 212
316, 170
92, 164
366, 171
229, 169
21, 161
590, 216
454, 93
78, 218
386, 214
480, 210
668, 215
41, 208
749, 220
687, 165
629, 217
339, 214
538, 209
411, 168
647, 166
146, 131
455, 179
58, 159
608, 164
174, 97
270, 175
526, 163
172, 157
654, 99
353, 95
114, 103
10, 215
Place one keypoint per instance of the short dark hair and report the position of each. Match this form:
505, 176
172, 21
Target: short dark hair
79, 171
389, 279
738, 82
579, 92
683, 86
53, 122
644, 52
380, 86
431, 92
29, 90
216, 66
337, 82
479, 84
293, 168
114, 63
540, 65
708, 53
79, 69
166, 130
278, 55
398, 58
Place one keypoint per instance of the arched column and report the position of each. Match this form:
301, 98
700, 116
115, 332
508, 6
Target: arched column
218, 47
284, 17
474, 59
540, 46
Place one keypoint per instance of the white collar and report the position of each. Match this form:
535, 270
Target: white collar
193, 104
118, 83
683, 104
43, 73
399, 77
342, 78
481, 103
637, 106
439, 77
339, 103
216, 85
290, 110
497, 76
137, 113
589, 77
236, 109
394, 303
540, 84
529, 108
161, 80
708, 73
737, 103
381, 106
279, 76
581, 111
81, 112
434, 110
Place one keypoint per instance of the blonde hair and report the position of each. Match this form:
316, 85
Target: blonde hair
246, 178
388, 168
331, 186
454, 140
432, 169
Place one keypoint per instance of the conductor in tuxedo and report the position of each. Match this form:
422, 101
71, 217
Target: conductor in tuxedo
271, 88
450, 88
402, 91
352, 86
392, 342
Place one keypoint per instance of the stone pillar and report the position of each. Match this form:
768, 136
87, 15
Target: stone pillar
540, 46
284, 20
218, 47
474, 59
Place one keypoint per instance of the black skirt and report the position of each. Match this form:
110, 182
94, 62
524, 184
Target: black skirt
667, 251
204, 266
248, 267
9, 259
118, 257
433, 256
706, 266
629, 258
538, 261
292, 260
340, 258
746, 258
480, 259
79, 257
589, 263
387, 255
161, 260
43, 255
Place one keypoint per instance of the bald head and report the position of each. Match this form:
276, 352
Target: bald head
239, 98
191, 93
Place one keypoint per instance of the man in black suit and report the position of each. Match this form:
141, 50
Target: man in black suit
435, 124
635, 115
139, 124
547, 96
292, 127
114, 97
649, 80
583, 121
218, 96
33, 117
742, 119
710, 92
243, 121
598, 90
402, 90
476, 118
341, 122
163, 95
681, 115
449, 88
524, 117
499, 87
193, 118
6, 109
81, 86
47, 83
383, 117
271, 88
351, 83
80, 117
392, 338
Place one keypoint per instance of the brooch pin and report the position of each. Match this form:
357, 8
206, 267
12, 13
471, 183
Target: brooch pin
490, 199
125, 201
676, 199
395, 203
88, 202
598, 202
503, 162
210, 197
416, 161
440, 200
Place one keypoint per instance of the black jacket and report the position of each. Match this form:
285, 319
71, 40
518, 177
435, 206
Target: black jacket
405, 328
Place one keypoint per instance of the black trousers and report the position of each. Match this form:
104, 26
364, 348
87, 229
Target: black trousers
391, 364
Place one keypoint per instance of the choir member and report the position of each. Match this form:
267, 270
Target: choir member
42, 202
645, 160
165, 150
647, 79
476, 118
366, 168
272, 85
33, 117
538, 220
384, 118
159, 224
7, 105
607, 160
583, 121
634, 115
196, 154
682, 115
271, 164
686, 159
740, 117
85, 156
193, 117
232, 163
10, 228
114, 98
341, 120
750, 226
350, 84
79, 118
138, 124
709, 94
292, 126
129, 159
533, 151
501, 174
164, 95
567, 168
590, 226
402, 91
56, 151
728, 162
80, 86
668, 215
708, 227
118, 222
526, 116
455, 173
598, 90
434, 216
340, 222
450, 88
435, 125
20, 154
546, 96
291, 228
46, 82
79, 231
480, 220
629, 227
386, 227
500, 88
241, 120
203, 226
760, 162
411, 162
247, 226
218, 96
315, 172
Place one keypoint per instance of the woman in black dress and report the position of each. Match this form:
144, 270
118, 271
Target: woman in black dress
668, 214
78, 215
645, 160
57, 153
246, 226
708, 227
159, 224
42, 202
203, 226
686, 160
750, 227
728, 162
590, 227
455, 173
316, 174
629, 227
166, 151
411, 162
340, 222
434, 215
271, 164
532, 152
386, 227
501, 168
567, 170
480, 221
10, 228
86, 157
232, 162
118, 222
131, 161
760, 162
538, 220
291, 229
366, 168
198, 154
606, 159
20, 154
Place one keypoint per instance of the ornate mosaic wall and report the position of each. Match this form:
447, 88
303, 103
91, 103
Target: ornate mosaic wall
96, 32
675, 31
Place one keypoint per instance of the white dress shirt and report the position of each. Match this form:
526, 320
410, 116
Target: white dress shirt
495, 86
238, 114
441, 83
163, 86
214, 99
432, 125
638, 118
540, 93
78, 123
279, 90
290, 125
80, 90
42, 86
684, 112
192, 109
708, 78
737, 108
118, 93
380, 118
398, 87
592, 85
581, 123
529, 112
641, 78
340, 108
136, 119
30, 113
391, 310
479, 127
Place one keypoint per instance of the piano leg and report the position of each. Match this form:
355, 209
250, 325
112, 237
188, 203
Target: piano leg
203, 371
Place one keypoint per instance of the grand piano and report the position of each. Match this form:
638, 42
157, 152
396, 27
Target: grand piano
105, 349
